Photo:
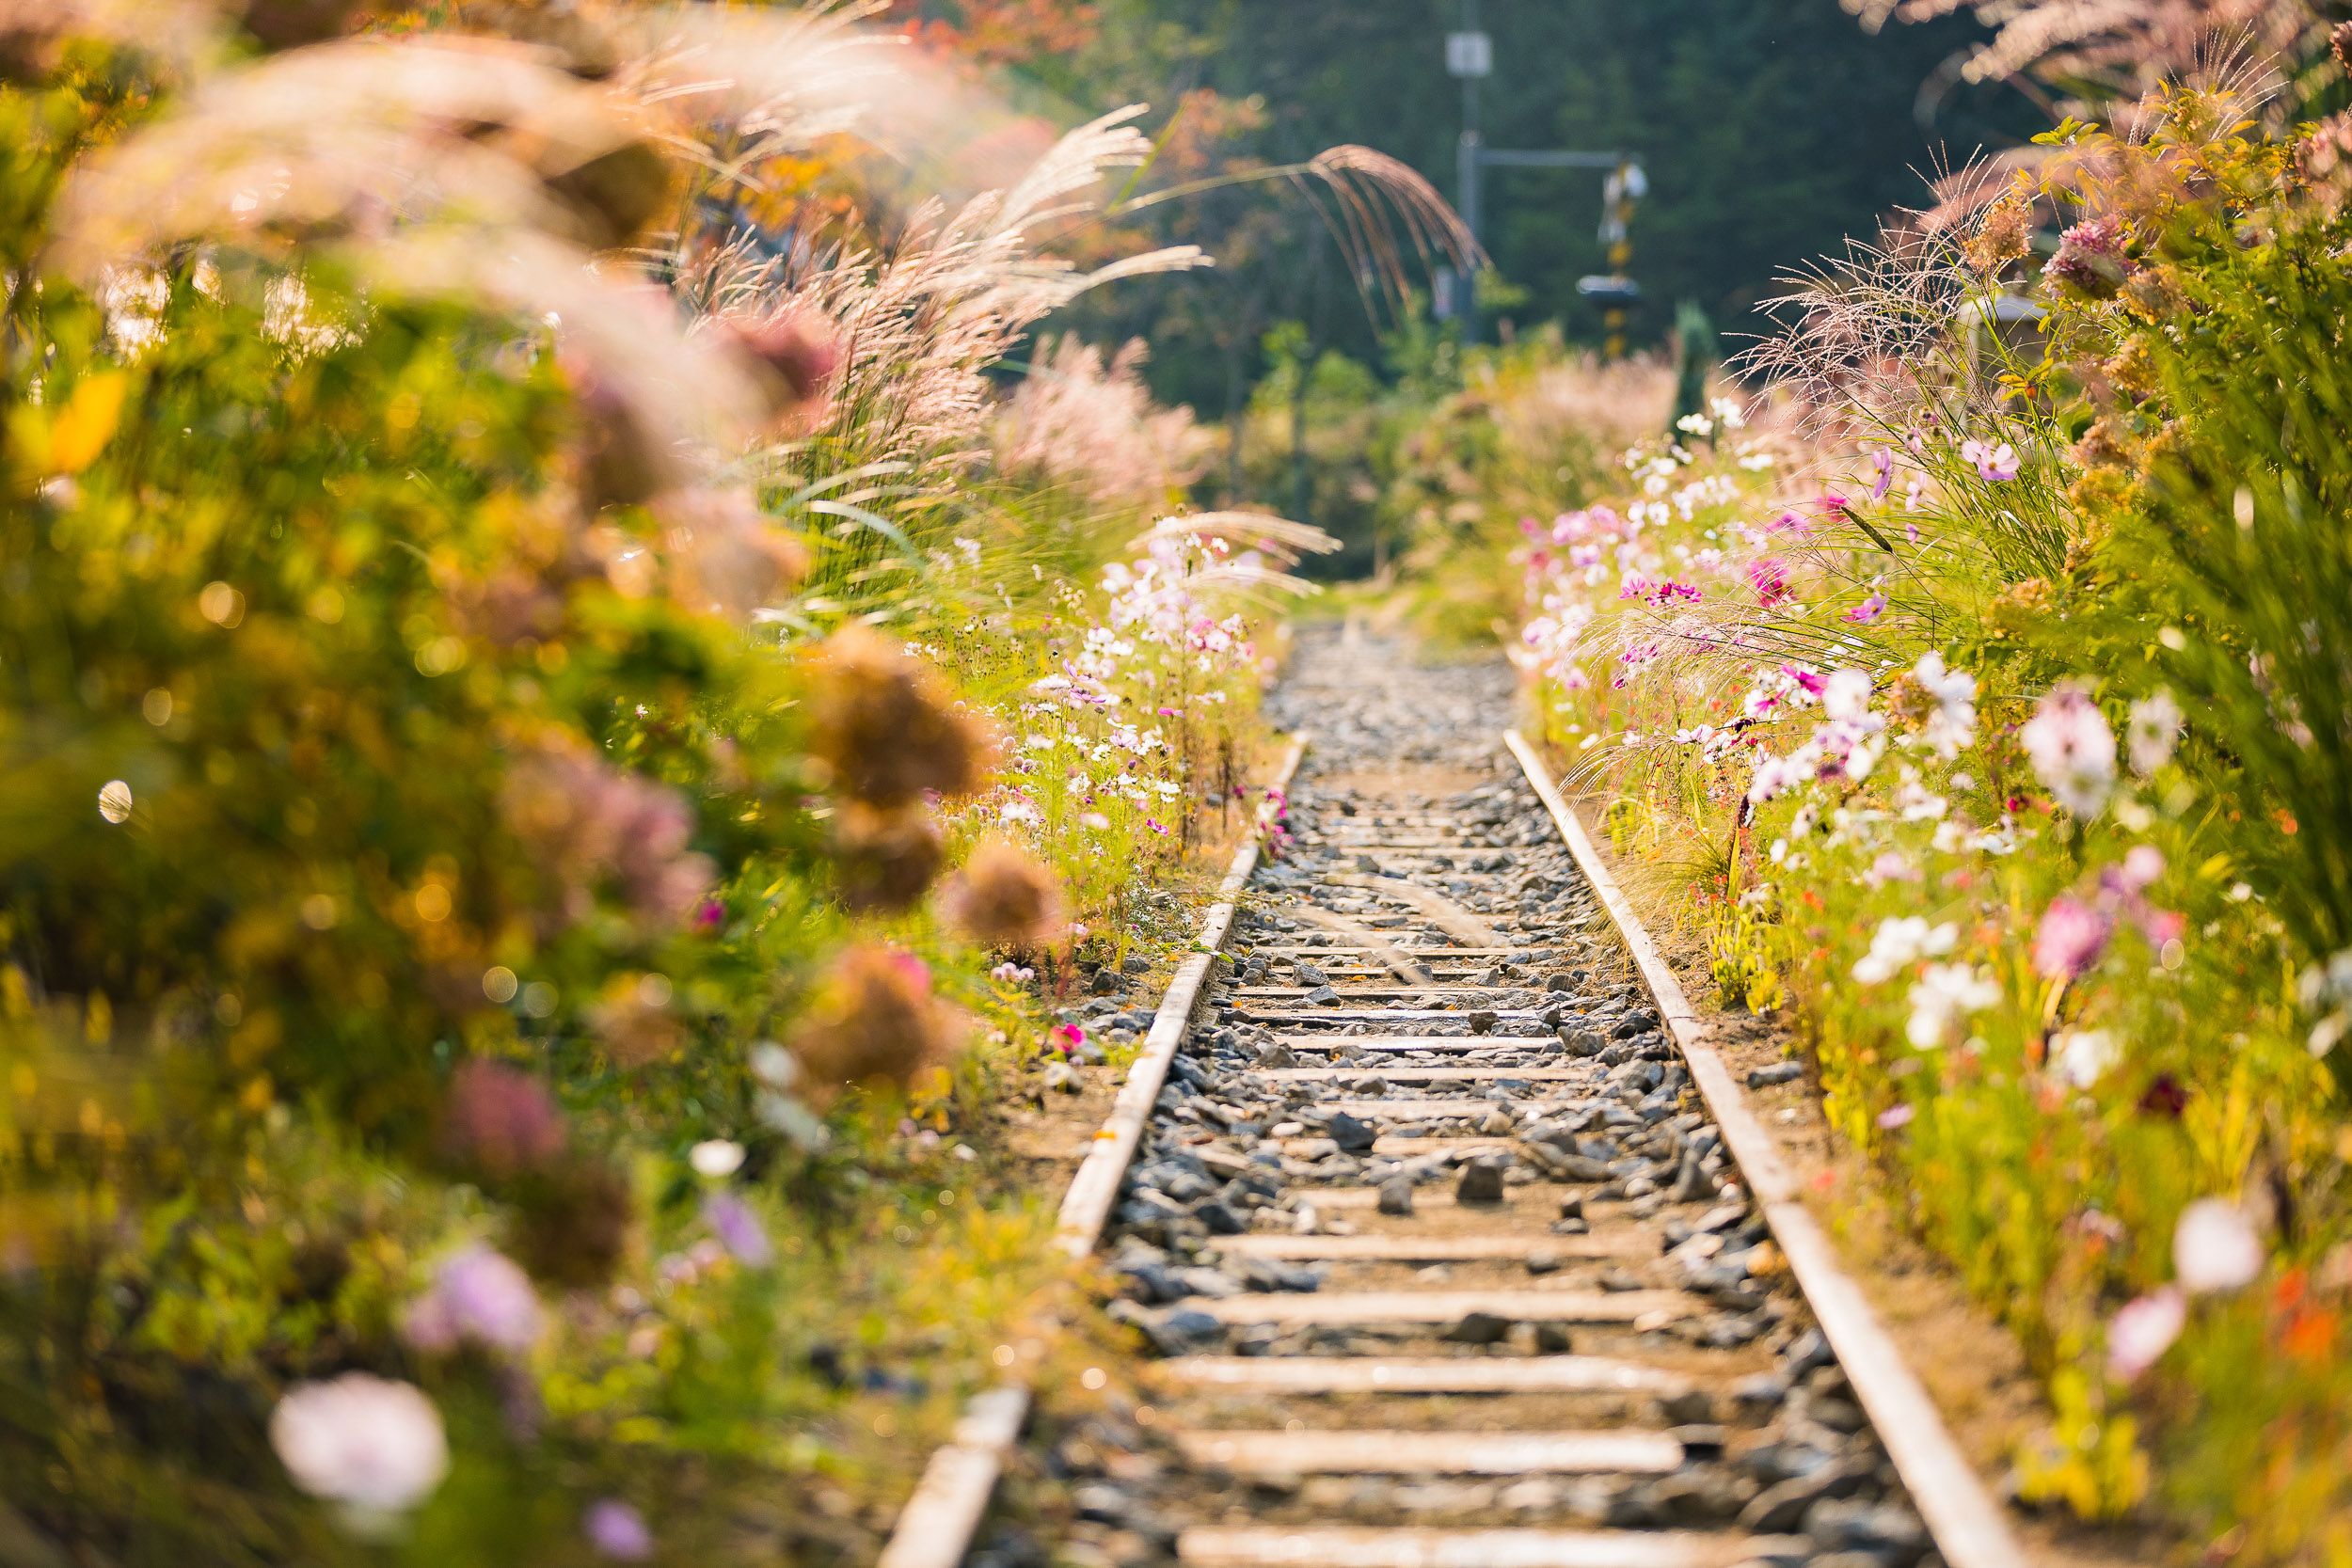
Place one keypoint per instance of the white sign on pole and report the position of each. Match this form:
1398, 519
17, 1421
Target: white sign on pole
1470, 55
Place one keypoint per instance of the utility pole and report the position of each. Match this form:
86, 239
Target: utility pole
1469, 56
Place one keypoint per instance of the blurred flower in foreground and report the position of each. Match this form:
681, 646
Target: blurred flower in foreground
373, 1445
739, 1229
883, 858
873, 1021
1004, 898
2081, 1056
584, 822
2069, 940
2150, 732
617, 1530
2071, 749
1946, 992
716, 1157
500, 1120
1900, 942
2213, 1248
884, 727
2144, 1329
478, 1295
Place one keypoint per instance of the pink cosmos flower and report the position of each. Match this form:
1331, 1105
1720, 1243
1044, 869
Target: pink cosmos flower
1868, 611
1896, 1117
2144, 1329
2071, 749
1833, 502
1814, 683
1882, 473
2069, 938
1994, 465
1769, 576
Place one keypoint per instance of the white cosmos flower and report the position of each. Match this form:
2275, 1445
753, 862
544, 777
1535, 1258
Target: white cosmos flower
1953, 724
1945, 992
362, 1440
2213, 1248
1901, 942
715, 1157
2150, 732
2081, 1056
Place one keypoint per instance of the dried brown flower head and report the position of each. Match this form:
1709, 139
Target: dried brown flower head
884, 725
883, 858
725, 556
1004, 898
500, 1121
2340, 44
795, 354
587, 825
2006, 233
634, 1021
573, 1225
2108, 444
874, 1021
616, 193
2154, 293
286, 24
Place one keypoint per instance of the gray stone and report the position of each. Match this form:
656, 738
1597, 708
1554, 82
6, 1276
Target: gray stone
1481, 1182
1779, 1073
1479, 1328
1396, 1195
1276, 1056
1543, 1260
1324, 996
1554, 1340
1221, 1220
1351, 1135
1692, 1408
1887, 1530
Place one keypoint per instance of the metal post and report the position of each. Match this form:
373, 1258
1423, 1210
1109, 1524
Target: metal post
1469, 57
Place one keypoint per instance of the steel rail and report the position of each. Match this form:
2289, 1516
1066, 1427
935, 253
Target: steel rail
1969, 1528
934, 1528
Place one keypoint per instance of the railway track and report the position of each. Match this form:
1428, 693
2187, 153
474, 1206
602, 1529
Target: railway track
1457, 1245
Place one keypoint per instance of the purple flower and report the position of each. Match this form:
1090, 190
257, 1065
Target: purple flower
1896, 1117
2090, 258
618, 1530
477, 1295
1882, 473
1868, 611
2069, 940
739, 1229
